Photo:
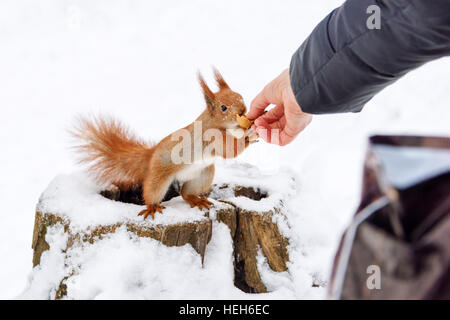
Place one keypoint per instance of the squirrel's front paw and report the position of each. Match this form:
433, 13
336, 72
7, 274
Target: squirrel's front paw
151, 209
251, 136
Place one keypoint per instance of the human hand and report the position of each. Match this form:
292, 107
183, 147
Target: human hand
287, 117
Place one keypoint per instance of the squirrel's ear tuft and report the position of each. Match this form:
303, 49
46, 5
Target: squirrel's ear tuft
219, 79
209, 95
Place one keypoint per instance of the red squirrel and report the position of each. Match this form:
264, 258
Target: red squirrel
116, 156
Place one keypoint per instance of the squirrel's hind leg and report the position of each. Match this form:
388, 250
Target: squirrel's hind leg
192, 190
153, 191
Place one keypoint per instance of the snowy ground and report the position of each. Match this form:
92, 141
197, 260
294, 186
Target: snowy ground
122, 265
138, 61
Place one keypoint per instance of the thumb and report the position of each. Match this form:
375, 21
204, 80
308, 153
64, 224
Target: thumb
258, 105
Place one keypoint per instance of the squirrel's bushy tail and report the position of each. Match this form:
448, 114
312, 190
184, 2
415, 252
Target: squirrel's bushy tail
115, 155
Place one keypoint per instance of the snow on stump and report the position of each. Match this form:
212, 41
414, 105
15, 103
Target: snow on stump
249, 203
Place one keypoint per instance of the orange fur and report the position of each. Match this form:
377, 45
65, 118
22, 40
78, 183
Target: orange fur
117, 156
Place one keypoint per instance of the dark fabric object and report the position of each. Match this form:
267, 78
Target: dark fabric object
402, 225
343, 64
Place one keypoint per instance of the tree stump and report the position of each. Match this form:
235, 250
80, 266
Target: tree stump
251, 231
198, 234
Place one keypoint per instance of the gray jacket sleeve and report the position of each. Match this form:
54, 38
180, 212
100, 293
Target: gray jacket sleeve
343, 63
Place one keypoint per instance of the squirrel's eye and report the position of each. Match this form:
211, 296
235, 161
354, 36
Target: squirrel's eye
224, 108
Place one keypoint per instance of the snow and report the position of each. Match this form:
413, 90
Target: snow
124, 266
138, 61
144, 268
140, 268
76, 198
47, 276
277, 186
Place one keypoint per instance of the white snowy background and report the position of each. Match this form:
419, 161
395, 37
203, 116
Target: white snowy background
137, 60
